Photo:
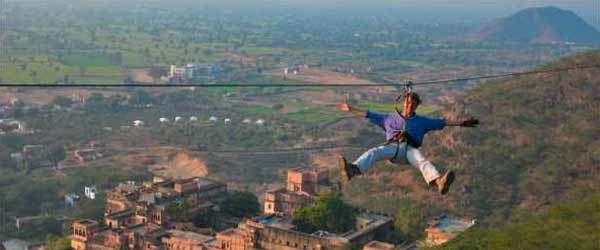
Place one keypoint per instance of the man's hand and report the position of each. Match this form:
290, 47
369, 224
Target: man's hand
345, 107
471, 122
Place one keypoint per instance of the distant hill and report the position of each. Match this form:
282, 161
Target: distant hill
541, 25
538, 143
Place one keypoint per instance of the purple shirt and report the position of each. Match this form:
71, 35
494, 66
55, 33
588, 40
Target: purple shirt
416, 126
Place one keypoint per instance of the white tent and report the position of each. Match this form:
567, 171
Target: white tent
193, 118
138, 123
163, 120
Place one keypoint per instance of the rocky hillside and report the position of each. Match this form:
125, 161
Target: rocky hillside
541, 25
566, 226
538, 143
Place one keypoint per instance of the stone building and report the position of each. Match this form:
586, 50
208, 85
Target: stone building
303, 186
196, 192
277, 233
442, 229
85, 155
183, 240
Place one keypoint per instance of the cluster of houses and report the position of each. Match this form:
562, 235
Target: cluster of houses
137, 217
212, 119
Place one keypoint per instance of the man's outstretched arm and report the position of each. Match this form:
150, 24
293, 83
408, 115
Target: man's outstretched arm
354, 110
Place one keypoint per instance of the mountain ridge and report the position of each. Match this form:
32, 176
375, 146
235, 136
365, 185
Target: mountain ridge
540, 25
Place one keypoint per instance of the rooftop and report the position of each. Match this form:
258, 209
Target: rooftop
87, 222
372, 221
230, 232
15, 244
452, 225
285, 224
378, 245
185, 235
120, 214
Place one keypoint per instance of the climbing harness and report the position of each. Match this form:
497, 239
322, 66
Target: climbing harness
402, 135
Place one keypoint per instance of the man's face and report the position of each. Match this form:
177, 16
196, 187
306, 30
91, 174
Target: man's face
410, 106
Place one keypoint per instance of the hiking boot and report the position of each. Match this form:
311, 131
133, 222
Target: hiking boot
443, 182
347, 170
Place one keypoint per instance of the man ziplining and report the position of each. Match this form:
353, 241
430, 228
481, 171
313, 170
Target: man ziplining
404, 132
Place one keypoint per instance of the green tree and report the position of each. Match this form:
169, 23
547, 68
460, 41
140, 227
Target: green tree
18, 110
96, 102
179, 211
410, 222
62, 101
92, 209
140, 96
241, 204
56, 154
330, 213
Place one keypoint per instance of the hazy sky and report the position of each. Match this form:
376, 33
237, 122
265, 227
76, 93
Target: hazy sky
444, 10
484, 9
470, 9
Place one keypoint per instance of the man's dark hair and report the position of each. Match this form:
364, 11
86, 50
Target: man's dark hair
412, 95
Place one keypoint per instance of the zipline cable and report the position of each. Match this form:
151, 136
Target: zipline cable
387, 83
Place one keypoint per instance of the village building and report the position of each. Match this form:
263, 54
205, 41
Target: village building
184, 240
85, 155
442, 229
18, 157
88, 235
71, 199
11, 126
271, 232
90, 192
196, 192
303, 186
194, 71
